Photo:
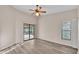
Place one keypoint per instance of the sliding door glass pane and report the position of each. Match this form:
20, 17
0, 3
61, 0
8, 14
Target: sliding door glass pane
26, 31
32, 30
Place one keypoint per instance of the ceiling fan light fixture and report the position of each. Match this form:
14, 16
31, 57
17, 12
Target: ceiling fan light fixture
37, 10
37, 14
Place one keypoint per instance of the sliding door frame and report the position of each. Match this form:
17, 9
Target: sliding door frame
29, 31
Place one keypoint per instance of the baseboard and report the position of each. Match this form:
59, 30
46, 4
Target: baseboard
59, 44
30, 39
7, 47
13, 45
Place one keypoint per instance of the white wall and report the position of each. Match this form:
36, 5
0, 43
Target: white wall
78, 30
11, 25
50, 27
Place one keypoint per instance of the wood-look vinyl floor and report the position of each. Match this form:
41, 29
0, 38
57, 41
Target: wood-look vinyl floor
38, 46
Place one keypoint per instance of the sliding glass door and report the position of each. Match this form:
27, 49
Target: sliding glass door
29, 31
32, 31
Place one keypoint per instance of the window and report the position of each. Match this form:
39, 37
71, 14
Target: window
66, 30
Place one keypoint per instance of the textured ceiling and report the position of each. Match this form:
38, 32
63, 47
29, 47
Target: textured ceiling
49, 8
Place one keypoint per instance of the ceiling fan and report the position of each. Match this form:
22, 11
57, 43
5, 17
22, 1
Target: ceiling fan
37, 10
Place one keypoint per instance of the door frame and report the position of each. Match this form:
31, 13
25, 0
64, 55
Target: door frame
29, 31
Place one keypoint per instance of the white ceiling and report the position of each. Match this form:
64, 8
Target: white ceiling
49, 8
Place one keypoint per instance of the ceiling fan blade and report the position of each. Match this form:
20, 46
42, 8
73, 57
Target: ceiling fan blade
40, 7
32, 13
43, 11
